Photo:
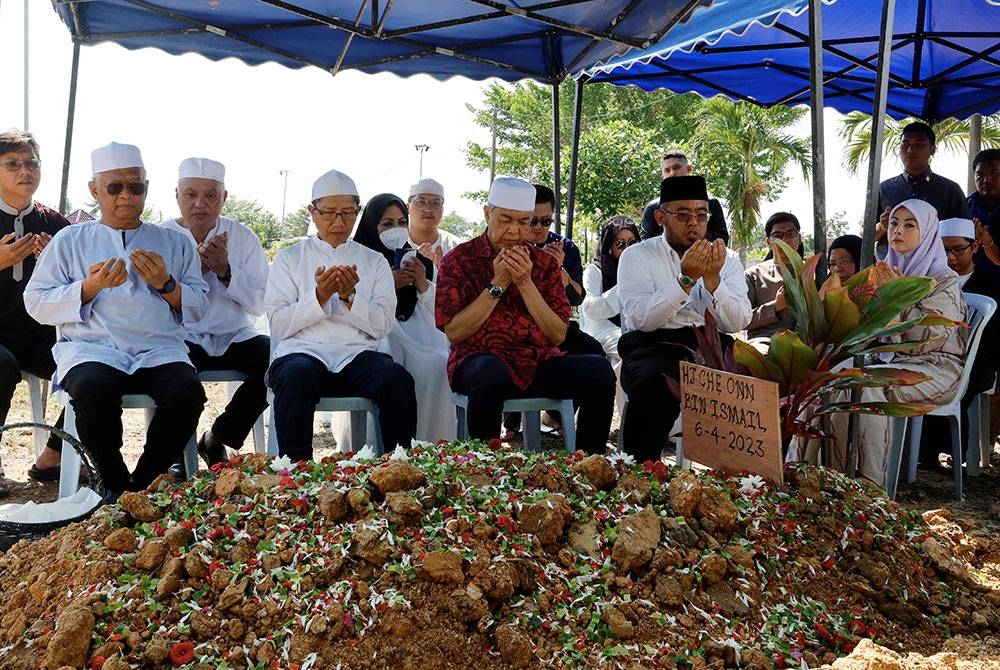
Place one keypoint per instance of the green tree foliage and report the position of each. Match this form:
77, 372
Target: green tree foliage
456, 225
253, 215
743, 150
952, 135
296, 224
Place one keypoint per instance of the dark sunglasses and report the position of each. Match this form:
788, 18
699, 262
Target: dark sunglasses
535, 221
621, 244
135, 188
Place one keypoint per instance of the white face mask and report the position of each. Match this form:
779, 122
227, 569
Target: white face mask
394, 238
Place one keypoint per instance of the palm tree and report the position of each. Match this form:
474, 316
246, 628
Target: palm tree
744, 148
951, 134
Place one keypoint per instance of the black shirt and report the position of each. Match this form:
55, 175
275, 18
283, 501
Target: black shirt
15, 324
716, 223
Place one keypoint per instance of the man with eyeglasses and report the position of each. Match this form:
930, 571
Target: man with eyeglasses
765, 285
329, 301
426, 205
675, 163
119, 290
665, 285
976, 274
984, 203
26, 227
504, 309
234, 266
916, 147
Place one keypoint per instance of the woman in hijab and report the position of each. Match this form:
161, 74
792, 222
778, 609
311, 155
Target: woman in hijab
915, 250
766, 288
600, 311
844, 257
415, 343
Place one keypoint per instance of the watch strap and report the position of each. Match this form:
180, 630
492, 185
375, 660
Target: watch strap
167, 287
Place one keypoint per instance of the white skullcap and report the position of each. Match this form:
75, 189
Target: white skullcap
115, 156
427, 186
333, 183
512, 193
957, 228
202, 168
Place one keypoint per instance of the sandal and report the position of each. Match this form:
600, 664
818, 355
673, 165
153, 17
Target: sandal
50, 474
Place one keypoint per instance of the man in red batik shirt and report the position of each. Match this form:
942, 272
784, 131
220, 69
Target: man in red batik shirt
503, 307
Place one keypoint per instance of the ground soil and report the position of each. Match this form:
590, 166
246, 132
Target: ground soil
926, 608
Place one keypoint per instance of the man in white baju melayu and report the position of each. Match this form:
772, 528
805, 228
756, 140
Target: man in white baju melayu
234, 266
118, 291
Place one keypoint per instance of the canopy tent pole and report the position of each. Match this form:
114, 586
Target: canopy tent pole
975, 145
70, 113
555, 153
871, 201
818, 141
574, 155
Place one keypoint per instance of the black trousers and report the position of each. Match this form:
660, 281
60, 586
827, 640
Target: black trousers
34, 356
652, 409
96, 391
300, 380
251, 358
577, 343
588, 380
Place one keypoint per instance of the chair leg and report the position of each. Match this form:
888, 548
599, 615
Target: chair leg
531, 423
897, 443
569, 425
272, 436
259, 445
462, 422
985, 446
912, 443
359, 429
69, 470
972, 449
379, 444
956, 453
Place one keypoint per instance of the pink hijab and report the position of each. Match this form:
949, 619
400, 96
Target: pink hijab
929, 258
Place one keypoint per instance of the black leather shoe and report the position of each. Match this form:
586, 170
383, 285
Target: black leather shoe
214, 454
178, 471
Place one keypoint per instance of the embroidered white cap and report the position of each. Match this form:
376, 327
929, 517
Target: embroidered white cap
115, 156
512, 193
202, 168
957, 228
333, 183
427, 186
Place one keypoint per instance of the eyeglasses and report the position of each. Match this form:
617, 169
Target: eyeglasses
957, 251
786, 235
544, 221
685, 217
332, 214
621, 244
14, 165
436, 203
135, 188
835, 265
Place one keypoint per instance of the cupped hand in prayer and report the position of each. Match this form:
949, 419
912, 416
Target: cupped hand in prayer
557, 250
416, 273
14, 251
150, 267
433, 252
106, 274
41, 241
214, 253
518, 261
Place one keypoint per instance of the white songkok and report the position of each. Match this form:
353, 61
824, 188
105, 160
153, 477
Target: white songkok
427, 186
512, 193
202, 168
115, 156
957, 228
333, 183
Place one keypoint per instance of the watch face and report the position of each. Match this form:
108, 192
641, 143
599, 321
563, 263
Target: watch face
496, 291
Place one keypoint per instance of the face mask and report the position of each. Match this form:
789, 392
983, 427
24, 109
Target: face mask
394, 238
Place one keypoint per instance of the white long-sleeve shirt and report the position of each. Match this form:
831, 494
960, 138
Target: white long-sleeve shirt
332, 333
233, 309
651, 297
599, 305
127, 327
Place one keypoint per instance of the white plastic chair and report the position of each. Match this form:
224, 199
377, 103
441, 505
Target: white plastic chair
676, 433
981, 308
979, 431
356, 405
37, 393
530, 409
233, 378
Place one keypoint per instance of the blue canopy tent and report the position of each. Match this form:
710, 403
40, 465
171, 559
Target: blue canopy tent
545, 41
944, 62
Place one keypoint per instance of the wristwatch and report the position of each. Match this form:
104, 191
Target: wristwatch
685, 281
350, 297
168, 287
495, 291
